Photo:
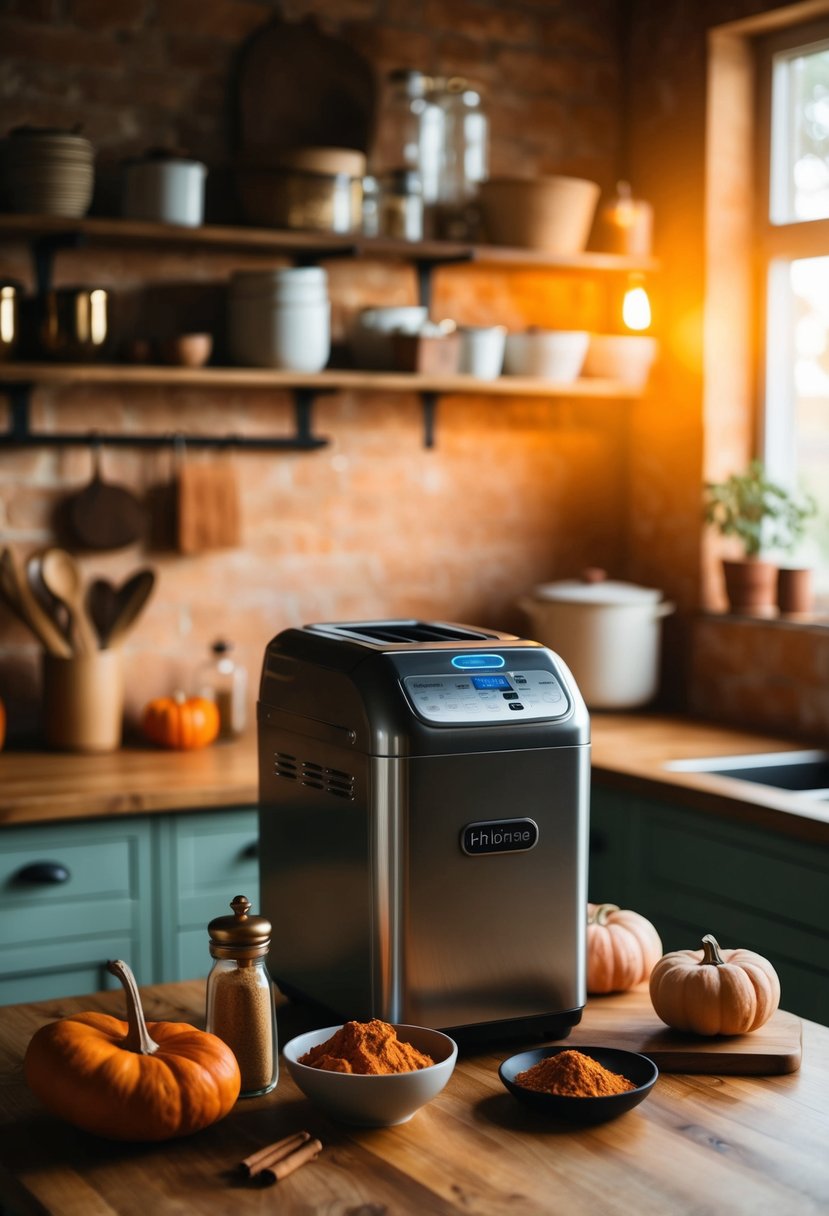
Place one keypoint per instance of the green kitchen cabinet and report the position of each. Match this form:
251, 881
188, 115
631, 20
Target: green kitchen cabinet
693, 873
204, 860
73, 895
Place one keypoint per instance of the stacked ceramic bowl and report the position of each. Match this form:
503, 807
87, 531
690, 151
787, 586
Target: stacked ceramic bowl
48, 172
280, 318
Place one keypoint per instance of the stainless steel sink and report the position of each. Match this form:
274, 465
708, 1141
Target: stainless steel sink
804, 772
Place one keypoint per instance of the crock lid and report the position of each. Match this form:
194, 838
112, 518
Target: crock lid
594, 587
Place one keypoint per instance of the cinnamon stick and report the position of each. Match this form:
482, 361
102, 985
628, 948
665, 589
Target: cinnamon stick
272, 1153
281, 1169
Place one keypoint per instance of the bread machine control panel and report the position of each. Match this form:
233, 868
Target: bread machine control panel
478, 697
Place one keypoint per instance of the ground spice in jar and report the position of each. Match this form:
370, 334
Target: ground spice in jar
368, 1048
572, 1074
242, 1017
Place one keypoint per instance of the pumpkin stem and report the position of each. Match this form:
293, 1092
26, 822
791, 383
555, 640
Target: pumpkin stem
711, 951
601, 913
137, 1038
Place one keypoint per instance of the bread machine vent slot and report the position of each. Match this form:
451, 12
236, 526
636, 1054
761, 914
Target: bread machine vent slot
315, 776
285, 765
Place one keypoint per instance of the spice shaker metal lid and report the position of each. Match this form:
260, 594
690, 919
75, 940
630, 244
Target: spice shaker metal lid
240, 935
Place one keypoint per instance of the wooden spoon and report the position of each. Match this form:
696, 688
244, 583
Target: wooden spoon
102, 606
130, 600
62, 577
18, 595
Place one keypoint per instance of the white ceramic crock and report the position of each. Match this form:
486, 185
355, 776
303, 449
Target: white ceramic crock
607, 632
165, 190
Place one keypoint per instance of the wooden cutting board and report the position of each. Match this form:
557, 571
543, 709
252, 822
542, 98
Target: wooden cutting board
629, 1022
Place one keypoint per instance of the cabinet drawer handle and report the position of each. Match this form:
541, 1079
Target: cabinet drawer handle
250, 851
43, 872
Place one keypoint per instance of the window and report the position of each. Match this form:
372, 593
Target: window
793, 232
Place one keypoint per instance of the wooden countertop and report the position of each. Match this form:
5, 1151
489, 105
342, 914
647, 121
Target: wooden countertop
629, 752
724, 1144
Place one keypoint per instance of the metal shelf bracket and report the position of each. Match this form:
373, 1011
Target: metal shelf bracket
20, 434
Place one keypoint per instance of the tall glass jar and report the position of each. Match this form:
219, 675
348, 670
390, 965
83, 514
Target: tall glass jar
464, 161
410, 130
223, 680
241, 1010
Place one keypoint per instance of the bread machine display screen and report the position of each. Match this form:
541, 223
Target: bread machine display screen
490, 682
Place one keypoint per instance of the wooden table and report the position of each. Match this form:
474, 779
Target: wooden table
708, 1145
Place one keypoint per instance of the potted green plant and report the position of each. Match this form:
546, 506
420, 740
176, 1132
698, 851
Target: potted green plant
763, 516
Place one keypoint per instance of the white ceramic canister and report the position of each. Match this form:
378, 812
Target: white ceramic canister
608, 633
482, 350
280, 319
165, 189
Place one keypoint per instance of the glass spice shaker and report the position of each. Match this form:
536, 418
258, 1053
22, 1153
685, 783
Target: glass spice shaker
241, 1010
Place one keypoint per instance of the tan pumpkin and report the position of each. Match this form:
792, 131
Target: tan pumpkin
131, 1080
713, 991
181, 722
622, 947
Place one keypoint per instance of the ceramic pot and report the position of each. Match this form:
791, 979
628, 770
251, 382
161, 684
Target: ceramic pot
83, 701
795, 592
751, 586
608, 633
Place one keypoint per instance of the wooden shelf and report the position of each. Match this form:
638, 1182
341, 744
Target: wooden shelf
327, 381
303, 244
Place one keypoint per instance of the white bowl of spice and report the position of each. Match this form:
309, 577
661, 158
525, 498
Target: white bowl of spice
579, 1085
371, 1074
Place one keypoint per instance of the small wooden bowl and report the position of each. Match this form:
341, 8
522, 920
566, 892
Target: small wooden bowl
187, 350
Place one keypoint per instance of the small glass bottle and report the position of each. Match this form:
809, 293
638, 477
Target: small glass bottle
401, 205
224, 681
241, 1010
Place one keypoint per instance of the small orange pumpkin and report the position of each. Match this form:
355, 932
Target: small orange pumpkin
131, 1080
622, 947
713, 991
181, 722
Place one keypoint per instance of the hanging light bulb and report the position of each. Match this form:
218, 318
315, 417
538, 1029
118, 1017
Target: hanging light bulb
636, 306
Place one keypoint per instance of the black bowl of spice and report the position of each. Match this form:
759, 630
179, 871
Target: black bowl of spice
579, 1085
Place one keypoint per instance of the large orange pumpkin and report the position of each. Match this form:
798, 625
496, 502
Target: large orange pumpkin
181, 722
622, 947
131, 1080
713, 991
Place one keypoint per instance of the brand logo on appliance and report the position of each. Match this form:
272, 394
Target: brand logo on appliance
499, 836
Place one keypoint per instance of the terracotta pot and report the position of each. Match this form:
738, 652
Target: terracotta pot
795, 593
751, 586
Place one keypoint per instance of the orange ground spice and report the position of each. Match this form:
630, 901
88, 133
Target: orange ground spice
573, 1075
368, 1048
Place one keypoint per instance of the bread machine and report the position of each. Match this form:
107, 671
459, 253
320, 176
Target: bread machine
423, 825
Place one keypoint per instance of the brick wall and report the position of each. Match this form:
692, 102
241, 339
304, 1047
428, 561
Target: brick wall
374, 525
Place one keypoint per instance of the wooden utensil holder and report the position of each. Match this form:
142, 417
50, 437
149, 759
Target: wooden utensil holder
83, 701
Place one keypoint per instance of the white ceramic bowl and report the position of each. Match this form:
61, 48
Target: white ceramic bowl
373, 1101
370, 337
548, 354
624, 357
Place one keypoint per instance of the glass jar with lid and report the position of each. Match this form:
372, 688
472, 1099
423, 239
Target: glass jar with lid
464, 160
410, 130
241, 1010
